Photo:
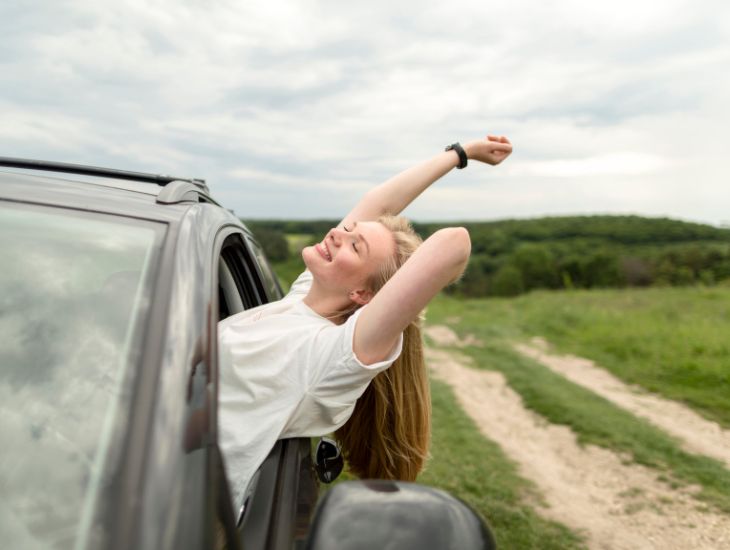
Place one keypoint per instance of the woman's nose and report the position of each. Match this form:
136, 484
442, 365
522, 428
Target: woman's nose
336, 235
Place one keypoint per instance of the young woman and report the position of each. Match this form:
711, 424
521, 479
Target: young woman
342, 352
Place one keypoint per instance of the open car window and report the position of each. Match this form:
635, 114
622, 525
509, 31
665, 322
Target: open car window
239, 285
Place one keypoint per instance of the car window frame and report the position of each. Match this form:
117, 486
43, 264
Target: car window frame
270, 285
229, 247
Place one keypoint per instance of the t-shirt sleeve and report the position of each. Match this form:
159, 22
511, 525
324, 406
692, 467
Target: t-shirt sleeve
338, 375
300, 286
335, 379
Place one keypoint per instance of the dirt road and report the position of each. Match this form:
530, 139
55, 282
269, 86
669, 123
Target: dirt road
617, 505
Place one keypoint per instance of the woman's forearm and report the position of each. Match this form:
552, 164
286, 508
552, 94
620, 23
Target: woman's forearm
393, 195
399, 191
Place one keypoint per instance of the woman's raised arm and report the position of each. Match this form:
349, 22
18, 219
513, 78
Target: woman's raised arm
437, 262
395, 194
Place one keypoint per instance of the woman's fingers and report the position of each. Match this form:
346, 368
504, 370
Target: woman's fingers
492, 150
497, 139
499, 146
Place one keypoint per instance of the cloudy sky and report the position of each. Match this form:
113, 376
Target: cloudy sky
293, 109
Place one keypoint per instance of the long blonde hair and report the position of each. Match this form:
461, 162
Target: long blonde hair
389, 432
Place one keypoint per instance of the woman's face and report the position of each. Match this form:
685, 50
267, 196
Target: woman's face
345, 259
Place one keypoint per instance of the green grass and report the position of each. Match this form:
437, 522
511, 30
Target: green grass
592, 418
288, 270
297, 241
673, 341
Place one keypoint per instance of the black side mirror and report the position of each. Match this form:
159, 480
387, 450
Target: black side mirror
328, 461
356, 515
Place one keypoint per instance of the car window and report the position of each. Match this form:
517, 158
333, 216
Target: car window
229, 298
239, 283
74, 290
271, 284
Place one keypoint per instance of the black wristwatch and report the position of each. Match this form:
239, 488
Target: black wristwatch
460, 151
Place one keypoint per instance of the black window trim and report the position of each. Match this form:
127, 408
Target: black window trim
251, 242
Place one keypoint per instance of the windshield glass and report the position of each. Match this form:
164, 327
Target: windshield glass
74, 292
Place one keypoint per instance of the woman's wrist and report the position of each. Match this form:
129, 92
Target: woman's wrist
459, 154
453, 158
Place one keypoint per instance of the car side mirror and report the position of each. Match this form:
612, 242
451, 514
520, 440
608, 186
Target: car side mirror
328, 461
394, 514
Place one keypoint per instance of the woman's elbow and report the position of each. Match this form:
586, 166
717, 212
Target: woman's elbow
459, 243
464, 242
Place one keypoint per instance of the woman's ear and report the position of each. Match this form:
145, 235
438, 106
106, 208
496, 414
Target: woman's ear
361, 296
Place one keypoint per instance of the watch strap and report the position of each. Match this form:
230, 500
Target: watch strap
459, 151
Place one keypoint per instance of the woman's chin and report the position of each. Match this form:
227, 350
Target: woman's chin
310, 257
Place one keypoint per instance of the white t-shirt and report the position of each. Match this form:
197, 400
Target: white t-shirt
285, 371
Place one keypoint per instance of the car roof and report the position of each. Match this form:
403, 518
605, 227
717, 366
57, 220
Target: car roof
93, 193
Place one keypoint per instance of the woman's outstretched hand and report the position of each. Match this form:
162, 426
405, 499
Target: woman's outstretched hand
492, 150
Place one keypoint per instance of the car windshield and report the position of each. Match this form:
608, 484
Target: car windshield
74, 294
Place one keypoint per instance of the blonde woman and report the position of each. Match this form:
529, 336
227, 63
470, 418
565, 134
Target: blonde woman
342, 351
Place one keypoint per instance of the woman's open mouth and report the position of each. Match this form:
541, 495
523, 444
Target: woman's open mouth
323, 251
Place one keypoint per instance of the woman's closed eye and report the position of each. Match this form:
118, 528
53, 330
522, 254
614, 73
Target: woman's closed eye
354, 245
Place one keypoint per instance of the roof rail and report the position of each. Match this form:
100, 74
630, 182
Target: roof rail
182, 191
51, 166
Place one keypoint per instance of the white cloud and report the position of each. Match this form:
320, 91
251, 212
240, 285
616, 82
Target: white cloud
319, 96
620, 163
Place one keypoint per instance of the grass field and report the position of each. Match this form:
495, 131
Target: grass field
594, 324
673, 341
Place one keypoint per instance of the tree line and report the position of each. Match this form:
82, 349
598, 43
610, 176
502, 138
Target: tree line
510, 257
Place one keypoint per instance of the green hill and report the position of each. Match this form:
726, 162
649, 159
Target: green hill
513, 256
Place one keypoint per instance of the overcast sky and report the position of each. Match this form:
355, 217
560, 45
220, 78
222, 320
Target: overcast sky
292, 110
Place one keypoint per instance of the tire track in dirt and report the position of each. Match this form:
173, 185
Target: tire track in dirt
697, 434
618, 506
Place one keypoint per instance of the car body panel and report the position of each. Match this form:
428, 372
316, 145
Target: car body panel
187, 347
159, 473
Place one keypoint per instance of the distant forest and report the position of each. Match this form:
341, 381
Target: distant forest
510, 257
